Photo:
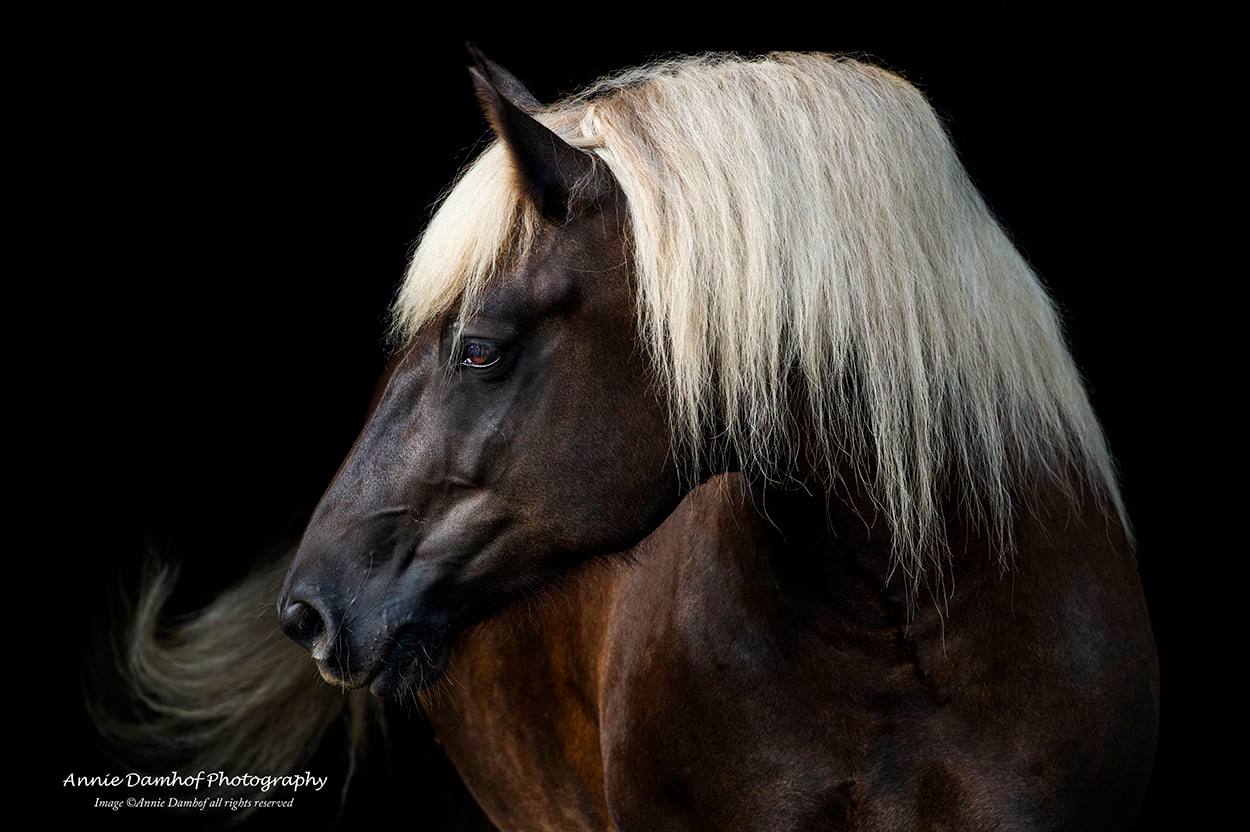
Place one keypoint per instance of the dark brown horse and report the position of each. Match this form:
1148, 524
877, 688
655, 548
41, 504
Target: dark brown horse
732, 474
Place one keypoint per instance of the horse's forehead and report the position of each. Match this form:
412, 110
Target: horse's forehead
562, 260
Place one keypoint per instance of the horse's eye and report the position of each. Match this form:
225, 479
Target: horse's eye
479, 354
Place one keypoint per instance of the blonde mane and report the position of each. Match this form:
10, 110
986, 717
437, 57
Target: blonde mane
805, 216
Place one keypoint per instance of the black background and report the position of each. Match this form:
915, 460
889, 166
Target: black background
219, 211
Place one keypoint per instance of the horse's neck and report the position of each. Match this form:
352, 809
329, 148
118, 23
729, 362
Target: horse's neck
830, 557
826, 560
790, 596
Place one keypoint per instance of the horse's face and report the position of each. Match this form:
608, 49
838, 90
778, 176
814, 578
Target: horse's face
496, 458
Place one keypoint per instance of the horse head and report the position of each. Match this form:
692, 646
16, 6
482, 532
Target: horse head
518, 434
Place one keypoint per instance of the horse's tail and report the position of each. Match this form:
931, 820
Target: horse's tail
223, 689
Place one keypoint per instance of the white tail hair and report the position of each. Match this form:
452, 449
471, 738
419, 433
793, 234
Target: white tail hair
802, 216
223, 689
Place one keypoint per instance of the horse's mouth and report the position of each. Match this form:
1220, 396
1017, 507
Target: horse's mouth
411, 664
406, 664
387, 681
330, 677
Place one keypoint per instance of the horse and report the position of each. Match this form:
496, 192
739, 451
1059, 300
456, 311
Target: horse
731, 473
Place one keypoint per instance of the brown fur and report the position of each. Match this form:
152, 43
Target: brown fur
737, 676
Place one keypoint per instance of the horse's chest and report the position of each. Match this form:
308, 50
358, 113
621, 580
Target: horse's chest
713, 718
650, 700
520, 722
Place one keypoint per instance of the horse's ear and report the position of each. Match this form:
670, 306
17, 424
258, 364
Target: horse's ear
508, 84
552, 172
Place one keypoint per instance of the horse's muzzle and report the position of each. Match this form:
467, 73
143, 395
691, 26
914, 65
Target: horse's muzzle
384, 643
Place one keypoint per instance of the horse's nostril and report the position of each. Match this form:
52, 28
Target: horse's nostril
302, 623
